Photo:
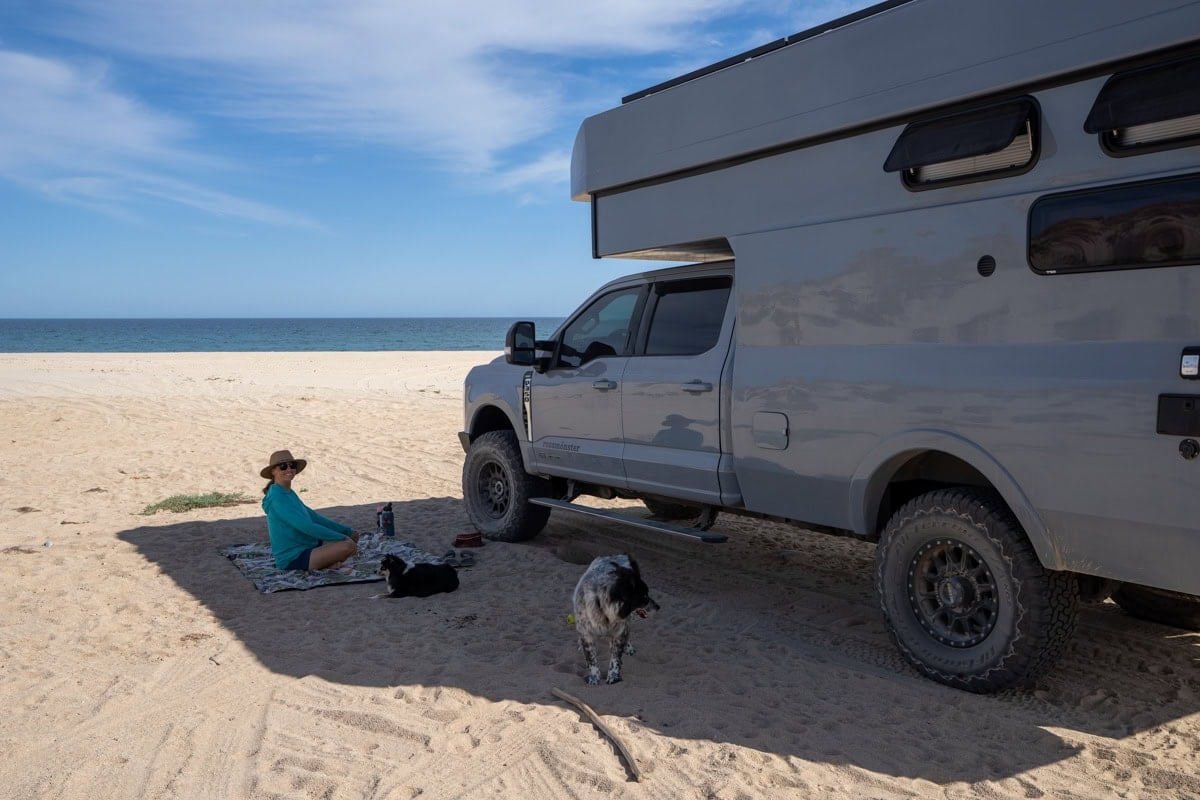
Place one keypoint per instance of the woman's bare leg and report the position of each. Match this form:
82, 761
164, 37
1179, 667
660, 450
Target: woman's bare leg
331, 554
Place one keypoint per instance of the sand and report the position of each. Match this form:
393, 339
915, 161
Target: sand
136, 662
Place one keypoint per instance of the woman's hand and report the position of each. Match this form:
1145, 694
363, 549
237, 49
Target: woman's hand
354, 536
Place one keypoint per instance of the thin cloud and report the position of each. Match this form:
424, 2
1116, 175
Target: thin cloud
462, 81
56, 113
68, 135
490, 89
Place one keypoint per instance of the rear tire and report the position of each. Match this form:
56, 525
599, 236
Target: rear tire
496, 489
1159, 605
964, 596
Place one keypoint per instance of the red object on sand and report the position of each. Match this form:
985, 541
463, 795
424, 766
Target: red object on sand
468, 540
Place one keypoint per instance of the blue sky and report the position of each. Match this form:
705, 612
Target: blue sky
222, 158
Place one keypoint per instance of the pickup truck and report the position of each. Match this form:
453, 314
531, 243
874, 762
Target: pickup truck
943, 303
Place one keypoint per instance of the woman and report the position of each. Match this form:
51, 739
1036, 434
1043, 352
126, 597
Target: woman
300, 537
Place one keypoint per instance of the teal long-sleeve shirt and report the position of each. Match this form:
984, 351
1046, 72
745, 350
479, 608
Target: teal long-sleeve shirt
294, 527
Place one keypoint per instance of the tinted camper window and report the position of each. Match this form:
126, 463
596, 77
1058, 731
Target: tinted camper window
1146, 109
1148, 224
687, 317
983, 143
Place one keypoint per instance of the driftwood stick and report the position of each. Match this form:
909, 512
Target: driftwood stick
599, 723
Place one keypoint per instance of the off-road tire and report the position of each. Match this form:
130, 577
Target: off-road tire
1159, 605
672, 511
964, 596
496, 489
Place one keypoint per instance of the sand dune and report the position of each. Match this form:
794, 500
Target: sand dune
136, 662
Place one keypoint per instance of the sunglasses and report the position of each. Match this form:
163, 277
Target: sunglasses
292, 465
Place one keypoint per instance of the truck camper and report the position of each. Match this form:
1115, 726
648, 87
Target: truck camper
943, 295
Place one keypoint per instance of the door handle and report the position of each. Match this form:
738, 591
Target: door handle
604, 386
695, 387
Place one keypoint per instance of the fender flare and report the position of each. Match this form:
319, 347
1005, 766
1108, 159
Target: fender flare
877, 467
485, 400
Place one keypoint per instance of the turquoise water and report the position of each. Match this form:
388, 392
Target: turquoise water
256, 335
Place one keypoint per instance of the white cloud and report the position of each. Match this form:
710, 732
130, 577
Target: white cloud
480, 86
65, 133
460, 80
56, 113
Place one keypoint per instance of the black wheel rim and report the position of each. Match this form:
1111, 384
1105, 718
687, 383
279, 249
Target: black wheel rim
952, 593
494, 490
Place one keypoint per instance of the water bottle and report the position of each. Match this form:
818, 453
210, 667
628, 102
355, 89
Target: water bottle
387, 520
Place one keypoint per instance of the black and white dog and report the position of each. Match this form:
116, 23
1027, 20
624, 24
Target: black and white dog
610, 590
419, 580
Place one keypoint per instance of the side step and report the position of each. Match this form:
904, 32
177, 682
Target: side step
655, 525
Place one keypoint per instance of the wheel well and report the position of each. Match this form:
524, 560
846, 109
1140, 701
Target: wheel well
488, 419
915, 473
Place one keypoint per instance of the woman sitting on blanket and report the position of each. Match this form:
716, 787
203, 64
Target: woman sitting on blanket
300, 537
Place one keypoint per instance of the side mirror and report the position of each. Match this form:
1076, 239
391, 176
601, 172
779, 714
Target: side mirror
520, 344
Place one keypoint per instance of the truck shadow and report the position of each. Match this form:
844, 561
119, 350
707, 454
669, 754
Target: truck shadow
773, 642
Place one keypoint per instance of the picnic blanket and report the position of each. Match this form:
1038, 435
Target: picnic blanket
256, 563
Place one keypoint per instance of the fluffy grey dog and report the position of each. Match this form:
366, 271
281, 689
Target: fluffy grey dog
610, 590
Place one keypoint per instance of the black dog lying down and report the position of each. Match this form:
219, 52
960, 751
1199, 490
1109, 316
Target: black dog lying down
419, 580
610, 590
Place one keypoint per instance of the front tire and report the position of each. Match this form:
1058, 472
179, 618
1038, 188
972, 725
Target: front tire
496, 489
1159, 605
964, 596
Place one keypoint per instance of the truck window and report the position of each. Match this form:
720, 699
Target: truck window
687, 316
1130, 226
601, 329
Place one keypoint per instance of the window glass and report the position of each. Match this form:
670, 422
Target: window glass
980, 144
1148, 109
688, 316
1147, 95
972, 133
602, 329
1149, 224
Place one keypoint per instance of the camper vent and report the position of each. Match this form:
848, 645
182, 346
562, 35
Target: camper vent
1157, 132
978, 144
1017, 154
1149, 108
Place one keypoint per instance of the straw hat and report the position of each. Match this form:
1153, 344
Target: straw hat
278, 457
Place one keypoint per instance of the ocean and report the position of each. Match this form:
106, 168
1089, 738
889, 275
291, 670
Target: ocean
256, 335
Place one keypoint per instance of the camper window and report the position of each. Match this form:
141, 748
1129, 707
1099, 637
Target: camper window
979, 144
1134, 225
1152, 108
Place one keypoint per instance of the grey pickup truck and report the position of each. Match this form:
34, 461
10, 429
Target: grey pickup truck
944, 299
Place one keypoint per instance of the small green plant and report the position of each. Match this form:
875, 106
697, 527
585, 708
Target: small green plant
188, 502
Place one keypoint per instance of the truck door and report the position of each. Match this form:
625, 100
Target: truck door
671, 406
575, 405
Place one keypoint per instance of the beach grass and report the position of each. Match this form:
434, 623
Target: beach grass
189, 502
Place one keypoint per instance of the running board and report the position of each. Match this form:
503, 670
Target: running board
640, 522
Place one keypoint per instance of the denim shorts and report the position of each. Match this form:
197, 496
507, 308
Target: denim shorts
300, 562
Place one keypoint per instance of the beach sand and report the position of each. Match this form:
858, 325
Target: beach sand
137, 662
